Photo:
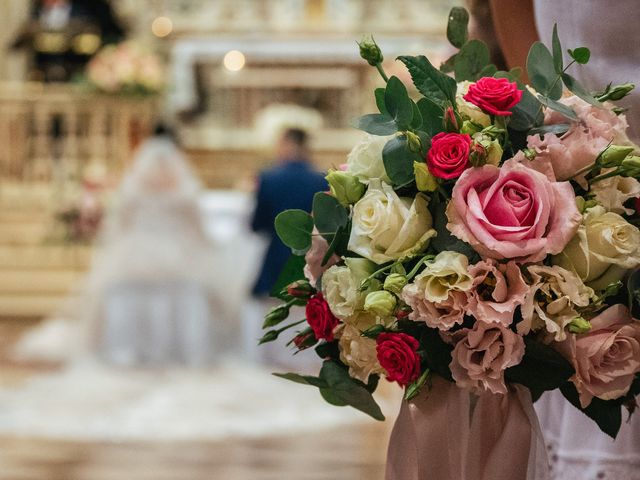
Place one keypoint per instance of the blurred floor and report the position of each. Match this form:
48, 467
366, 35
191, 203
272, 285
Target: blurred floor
351, 452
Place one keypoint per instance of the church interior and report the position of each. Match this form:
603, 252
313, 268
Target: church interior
83, 84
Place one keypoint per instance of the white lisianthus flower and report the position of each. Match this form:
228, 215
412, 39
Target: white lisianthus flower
468, 110
359, 353
341, 287
387, 227
605, 246
613, 192
365, 159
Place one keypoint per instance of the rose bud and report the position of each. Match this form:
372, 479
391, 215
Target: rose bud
304, 340
381, 303
370, 51
398, 355
450, 120
448, 156
425, 182
301, 289
275, 316
613, 155
579, 325
495, 96
320, 318
395, 282
345, 187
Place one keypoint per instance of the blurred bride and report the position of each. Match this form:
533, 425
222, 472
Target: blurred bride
151, 296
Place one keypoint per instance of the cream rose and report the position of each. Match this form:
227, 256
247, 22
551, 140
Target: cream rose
613, 192
359, 353
387, 227
341, 286
551, 302
605, 246
468, 110
365, 159
438, 294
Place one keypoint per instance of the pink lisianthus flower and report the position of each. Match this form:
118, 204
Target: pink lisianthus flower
607, 358
314, 269
512, 212
497, 290
482, 354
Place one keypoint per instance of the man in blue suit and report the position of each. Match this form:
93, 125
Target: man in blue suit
291, 184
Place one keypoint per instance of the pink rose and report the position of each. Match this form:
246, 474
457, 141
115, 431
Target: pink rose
398, 355
448, 156
495, 96
320, 318
497, 290
607, 358
482, 354
512, 212
314, 269
582, 143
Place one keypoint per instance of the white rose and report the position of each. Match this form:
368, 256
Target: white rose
467, 110
613, 192
365, 159
359, 353
341, 287
387, 227
605, 246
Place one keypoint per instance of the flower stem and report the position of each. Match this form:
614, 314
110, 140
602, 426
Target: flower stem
382, 72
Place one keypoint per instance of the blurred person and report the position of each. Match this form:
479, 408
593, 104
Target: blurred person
151, 297
291, 184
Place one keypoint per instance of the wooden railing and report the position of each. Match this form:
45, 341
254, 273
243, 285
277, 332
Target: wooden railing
55, 131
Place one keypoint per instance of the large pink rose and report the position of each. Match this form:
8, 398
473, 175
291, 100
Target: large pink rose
512, 212
498, 289
581, 144
607, 358
482, 354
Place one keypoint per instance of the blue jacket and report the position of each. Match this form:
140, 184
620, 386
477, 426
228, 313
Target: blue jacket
290, 185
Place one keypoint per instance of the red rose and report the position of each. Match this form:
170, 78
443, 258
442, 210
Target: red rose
320, 318
495, 96
448, 156
398, 355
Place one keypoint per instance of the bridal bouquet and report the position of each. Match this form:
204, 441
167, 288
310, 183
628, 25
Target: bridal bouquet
126, 68
484, 232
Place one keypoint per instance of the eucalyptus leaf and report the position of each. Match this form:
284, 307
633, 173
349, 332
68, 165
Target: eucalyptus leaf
432, 116
328, 215
416, 122
527, 114
379, 94
556, 129
377, 124
398, 103
447, 65
557, 50
431, 82
576, 87
580, 54
398, 161
302, 379
294, 228
458, 26
293, 270
558, 107
472, 58
488, 71
542, 72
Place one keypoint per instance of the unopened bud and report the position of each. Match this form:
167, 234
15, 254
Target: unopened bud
395, 282
632, 162
374, 331
424, 180
451, 120
304, 340
345, 187
485, 151
301, 289
613, 155
275, 316
370, 51
579, 325
470, 128
617, 92
529, 153
381, 303
413, 141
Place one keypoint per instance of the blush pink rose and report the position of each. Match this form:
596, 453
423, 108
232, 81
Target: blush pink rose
482, 354
607, 358
495, 96
512, 212
448, 156
582, 143
497, 290
313, 268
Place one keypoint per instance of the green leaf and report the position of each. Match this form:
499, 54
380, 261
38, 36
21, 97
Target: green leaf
541, 369
432, 116
430, 81
557, 129
415, 388
398, 161
379, 94
294, 228
457, 27
293, 270
329, 215
302, 379
580, 54
488, 71
472, 58
633, 290
444, 240
606, 413
343, 390
377, 124
526, 114
576, 87
557, 50
447, 65
542, 73
416, 122
339, 244
558, 107
398, 103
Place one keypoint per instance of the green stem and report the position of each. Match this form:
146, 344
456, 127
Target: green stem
414, 270
604, 176
558, 77
382, 72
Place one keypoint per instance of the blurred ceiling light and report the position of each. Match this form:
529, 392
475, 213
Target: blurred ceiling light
162, 26
234, 60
